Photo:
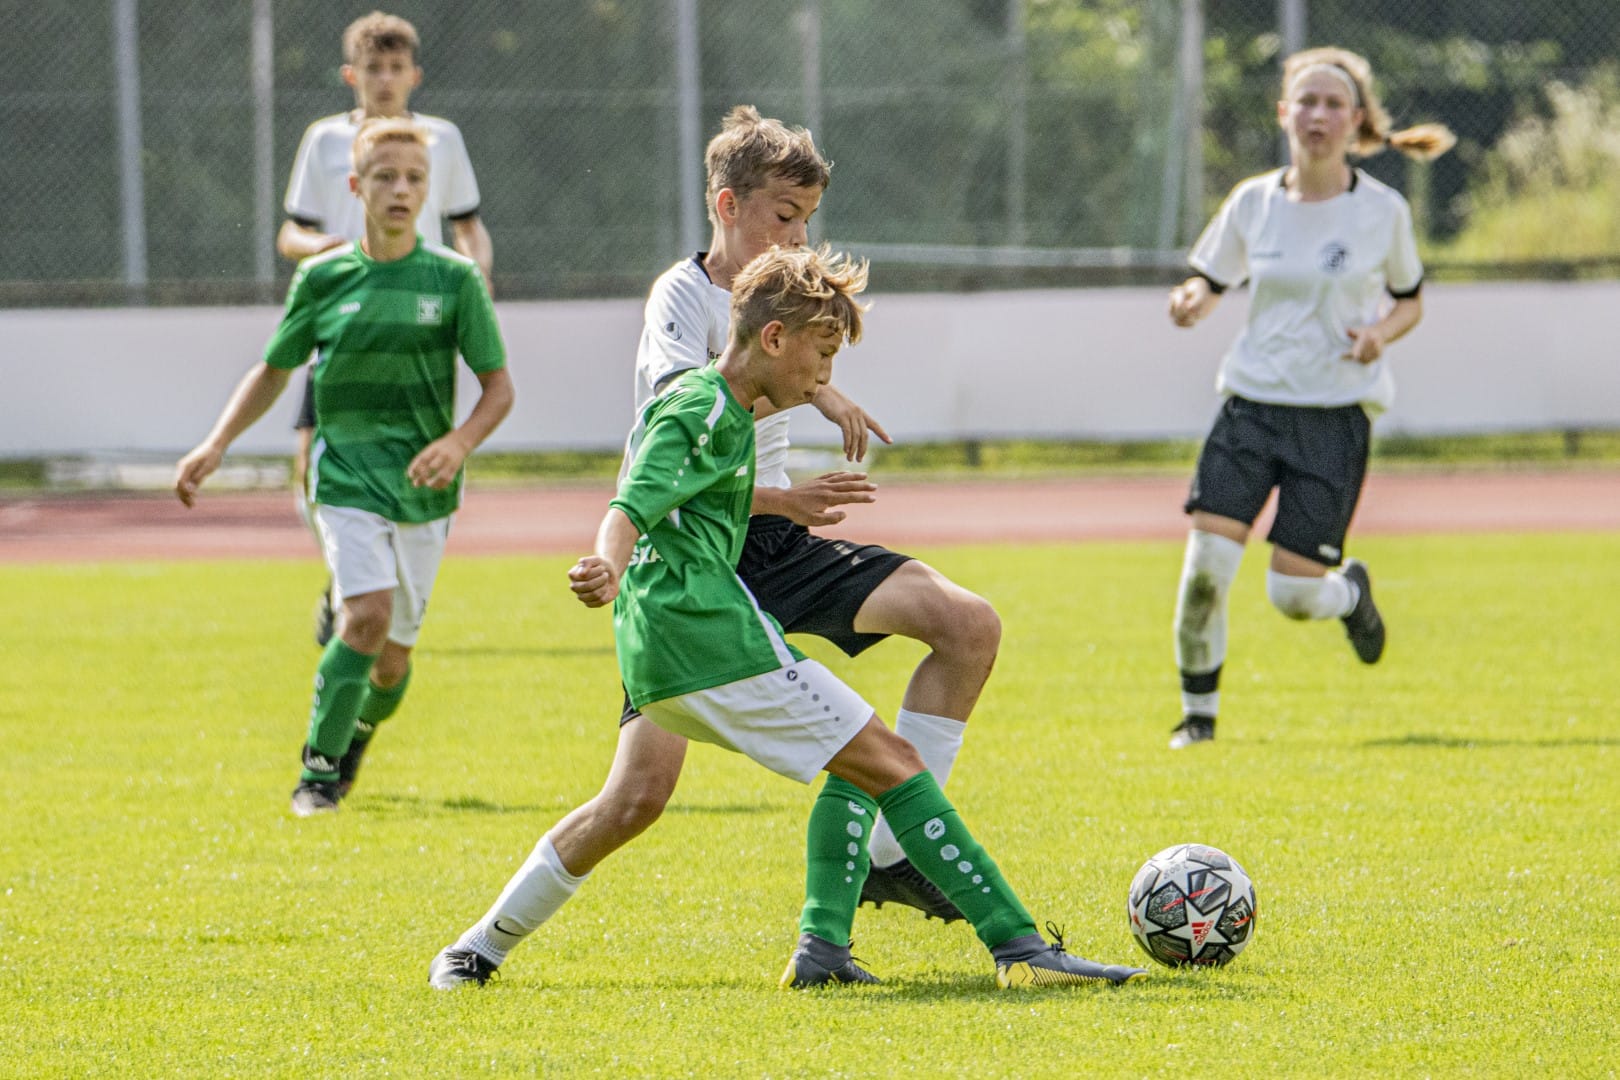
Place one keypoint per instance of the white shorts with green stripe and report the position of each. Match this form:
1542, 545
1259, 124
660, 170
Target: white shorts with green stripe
792, 721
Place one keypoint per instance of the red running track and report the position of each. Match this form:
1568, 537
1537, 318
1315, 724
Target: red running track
563, 519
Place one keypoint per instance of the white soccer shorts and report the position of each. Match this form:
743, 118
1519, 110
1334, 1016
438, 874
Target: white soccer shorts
792, 721
368, 553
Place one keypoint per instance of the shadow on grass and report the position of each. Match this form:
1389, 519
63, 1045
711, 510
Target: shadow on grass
415, 804
501, 652
1161, 985
1470, 742
718, 809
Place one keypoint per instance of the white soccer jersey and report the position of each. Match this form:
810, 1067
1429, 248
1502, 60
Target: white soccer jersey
687, 323
1316, 270
318, 193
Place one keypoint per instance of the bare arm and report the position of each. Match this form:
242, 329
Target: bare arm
469, 237
298, 242
1367, 343
440, 460
595, 578
252, 398
1192, 300
810, 502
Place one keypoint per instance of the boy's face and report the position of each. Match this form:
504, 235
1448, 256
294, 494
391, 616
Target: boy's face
383, 81
778, 213
800, 361
393, 186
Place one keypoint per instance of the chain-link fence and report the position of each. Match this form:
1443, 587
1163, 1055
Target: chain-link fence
147, 142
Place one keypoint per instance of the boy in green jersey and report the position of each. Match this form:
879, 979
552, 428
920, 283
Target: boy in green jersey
380, 63
386, 317
701, 659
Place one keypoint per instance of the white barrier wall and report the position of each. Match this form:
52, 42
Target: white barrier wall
1098, 363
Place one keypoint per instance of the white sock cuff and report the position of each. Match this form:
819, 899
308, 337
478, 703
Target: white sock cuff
1326, 597
545, 851
938, 739
1215, 554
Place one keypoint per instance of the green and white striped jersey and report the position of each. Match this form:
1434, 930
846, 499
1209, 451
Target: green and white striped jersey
386, 336
683, 621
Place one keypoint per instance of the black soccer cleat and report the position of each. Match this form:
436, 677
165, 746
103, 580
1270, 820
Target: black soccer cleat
325, 617
818, 962
1194, 728
349, 763
1363, 625
1029, 961
903, 883
313, 797
454, 968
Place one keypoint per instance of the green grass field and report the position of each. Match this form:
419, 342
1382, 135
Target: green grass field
1432, 840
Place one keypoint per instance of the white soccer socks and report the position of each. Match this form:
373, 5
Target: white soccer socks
1207, 573
938, 740
535, 893
1331, 596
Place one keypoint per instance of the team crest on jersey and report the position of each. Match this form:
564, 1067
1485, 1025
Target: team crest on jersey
429, 310
1335, 257
673, 330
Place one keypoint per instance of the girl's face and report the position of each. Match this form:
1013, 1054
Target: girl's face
1320, 116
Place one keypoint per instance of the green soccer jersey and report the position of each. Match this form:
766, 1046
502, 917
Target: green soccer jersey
683, 621
386, 335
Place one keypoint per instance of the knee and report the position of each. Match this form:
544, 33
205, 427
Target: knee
390, 668
626, 811
365, 625
1295, 597
970, 629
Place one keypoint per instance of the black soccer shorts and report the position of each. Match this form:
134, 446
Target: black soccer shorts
1316, 459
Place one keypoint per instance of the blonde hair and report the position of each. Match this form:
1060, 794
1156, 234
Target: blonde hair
798, 287
750, 151
378, 32
373, 133
1422, 141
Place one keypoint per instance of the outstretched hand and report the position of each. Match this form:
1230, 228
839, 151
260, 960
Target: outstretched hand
594, 581
811, 502
855, 422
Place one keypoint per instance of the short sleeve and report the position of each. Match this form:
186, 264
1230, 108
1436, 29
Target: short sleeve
294, 338
306, 199
460, 196
674, 335
1403, 270
1222, 252
478, 333
675, 460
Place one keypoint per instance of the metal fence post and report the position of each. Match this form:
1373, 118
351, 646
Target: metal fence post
264, 90
1017, 125
689, 125
1291, 22
131, 184
810, 74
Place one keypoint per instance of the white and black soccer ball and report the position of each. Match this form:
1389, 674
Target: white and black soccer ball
1192, 904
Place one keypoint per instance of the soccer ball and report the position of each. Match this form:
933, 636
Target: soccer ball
1192, 904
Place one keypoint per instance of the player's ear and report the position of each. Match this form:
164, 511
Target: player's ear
354, 183
348, 73
773, 337
725, 206
416, 76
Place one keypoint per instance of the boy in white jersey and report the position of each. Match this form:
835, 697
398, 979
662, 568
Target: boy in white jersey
379, 54
703, 660
386, 318
765, 181
1334, 271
